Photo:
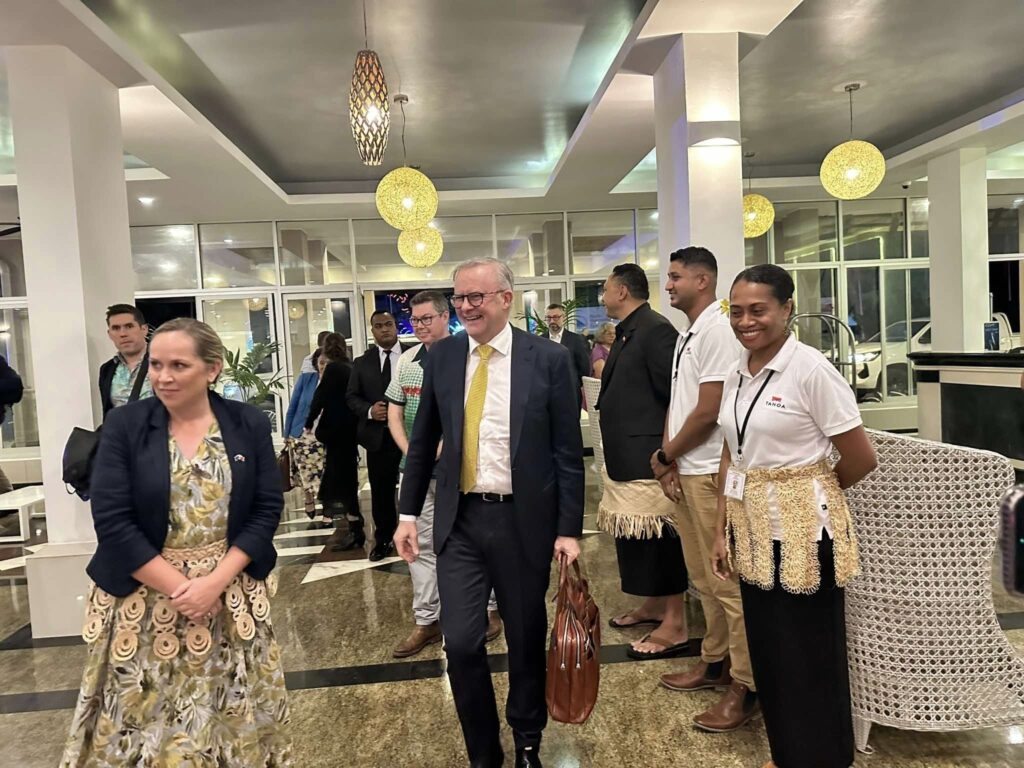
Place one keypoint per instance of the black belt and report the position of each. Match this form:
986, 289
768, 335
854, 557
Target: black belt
490, 498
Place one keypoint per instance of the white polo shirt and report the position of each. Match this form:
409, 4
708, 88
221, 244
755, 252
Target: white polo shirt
804, 405
707, 352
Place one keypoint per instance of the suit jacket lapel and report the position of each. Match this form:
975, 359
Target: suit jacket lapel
237, 452
160, 454
459, 397
522, 377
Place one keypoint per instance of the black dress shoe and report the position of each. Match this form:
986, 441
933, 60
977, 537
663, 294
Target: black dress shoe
349, 541
381, 550
528, 757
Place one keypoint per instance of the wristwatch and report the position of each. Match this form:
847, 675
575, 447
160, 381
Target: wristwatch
663, 459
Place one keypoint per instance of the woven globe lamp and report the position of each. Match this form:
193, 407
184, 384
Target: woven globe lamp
758, 215
852, 170
855, 168
406, 199
420, 247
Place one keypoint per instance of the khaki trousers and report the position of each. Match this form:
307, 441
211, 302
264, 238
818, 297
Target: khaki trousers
697, 519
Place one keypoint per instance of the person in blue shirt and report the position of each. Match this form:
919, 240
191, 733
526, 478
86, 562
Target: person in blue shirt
302, 393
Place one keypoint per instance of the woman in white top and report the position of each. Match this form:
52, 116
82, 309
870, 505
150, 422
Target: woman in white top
784, 526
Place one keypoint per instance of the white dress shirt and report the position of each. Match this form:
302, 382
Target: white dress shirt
707, 352
806, 403
494, 463
383, 354
555, 337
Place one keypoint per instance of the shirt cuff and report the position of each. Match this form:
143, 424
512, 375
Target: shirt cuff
369, 413
407, 518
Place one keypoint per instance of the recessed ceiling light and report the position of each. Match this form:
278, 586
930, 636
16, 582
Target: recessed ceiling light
147, 200
228, 240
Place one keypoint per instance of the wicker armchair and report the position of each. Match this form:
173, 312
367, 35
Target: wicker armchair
592, 390
926, 650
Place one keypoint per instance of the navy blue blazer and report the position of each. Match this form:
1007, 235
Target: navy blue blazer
546, 443
131, 489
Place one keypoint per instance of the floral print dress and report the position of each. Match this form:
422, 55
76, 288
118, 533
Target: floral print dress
160, 691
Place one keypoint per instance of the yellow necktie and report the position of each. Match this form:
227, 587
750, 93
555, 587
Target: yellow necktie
471, 427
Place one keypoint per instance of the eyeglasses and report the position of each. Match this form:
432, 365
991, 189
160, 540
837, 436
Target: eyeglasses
425, 321
475, 299
553, 318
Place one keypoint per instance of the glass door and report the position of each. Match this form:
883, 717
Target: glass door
530, 300
309, 314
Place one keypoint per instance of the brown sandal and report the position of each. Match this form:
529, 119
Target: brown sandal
668, 649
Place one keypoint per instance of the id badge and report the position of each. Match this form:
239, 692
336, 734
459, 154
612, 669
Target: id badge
735, 481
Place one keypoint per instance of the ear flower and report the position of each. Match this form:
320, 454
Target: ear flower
724, 306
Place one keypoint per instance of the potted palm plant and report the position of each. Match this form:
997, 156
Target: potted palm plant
244, 370
572, 310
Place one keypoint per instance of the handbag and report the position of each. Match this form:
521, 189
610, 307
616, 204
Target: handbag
284, 466
82, 444
574, 663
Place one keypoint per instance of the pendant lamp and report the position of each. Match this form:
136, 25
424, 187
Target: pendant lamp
758, 211
406, 198
368, 106
420, 247
855, 168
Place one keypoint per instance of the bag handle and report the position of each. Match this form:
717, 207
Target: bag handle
140, 378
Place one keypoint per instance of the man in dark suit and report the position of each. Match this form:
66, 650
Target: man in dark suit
636, 387
576, 344
509, 495
371, 375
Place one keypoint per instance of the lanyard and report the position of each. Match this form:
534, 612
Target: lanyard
679, 354
741, 430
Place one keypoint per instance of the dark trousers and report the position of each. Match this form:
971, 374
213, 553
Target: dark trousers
382, 468
798, 653
484, 550
339, 486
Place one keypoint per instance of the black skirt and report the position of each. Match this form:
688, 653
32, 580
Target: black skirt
652, 567
798, 652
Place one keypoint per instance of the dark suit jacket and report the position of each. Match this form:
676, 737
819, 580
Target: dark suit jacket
106, 381
636, 386
545, 442
337, 426
366, 387
580, 352
131, 487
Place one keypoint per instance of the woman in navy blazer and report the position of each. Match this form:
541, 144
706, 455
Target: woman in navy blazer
186, 498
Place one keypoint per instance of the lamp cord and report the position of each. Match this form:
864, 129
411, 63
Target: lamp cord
850, 91
366, 34
405, 156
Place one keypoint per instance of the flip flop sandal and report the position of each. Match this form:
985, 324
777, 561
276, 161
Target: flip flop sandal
616, 624
668, 651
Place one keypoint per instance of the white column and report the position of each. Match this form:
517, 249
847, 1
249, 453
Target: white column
958, 250
700, 163
74, 214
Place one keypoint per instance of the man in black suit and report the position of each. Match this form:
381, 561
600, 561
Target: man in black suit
636, 387
509, 495
371, 375
576, 344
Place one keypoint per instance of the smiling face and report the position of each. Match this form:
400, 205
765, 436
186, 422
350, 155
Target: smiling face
684, 285
427, 324
179, 377
484, 322
758, 319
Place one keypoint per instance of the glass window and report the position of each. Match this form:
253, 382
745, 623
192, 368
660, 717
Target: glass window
647, 239
237, 255
1004, 230
1004, 282
815, 292
464, 237
873, 229
756, 249
164, 258
590, 312
12, 261
529, 303
19, 429
898, 329
805, 232
863, 315
533, 244
242, 323
919, 228
308, 317
601, 239
314, 252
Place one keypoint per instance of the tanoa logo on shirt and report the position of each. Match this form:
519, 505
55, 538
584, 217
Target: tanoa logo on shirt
776, 402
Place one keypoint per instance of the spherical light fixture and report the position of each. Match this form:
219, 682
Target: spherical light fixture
420, 247
758, 215
296, 310
852, 170
406, 199
855, 168
257, 303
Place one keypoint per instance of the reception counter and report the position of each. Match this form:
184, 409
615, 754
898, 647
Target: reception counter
972, 399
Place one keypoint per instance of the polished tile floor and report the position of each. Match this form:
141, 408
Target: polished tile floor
353, 705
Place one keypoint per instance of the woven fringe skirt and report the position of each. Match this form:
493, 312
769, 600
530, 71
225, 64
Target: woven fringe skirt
798, 651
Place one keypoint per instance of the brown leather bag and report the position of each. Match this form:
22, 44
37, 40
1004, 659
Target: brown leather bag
574, 663
284, 466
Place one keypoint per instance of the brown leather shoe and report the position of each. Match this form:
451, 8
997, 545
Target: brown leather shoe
494, 626
731, 712
420, 638
696, 678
